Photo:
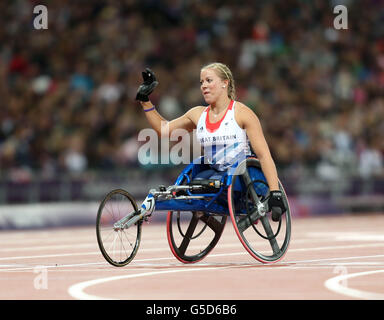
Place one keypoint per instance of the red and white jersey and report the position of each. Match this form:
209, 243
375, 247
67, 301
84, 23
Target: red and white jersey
224, 143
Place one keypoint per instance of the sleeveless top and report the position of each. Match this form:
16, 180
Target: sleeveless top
224, 143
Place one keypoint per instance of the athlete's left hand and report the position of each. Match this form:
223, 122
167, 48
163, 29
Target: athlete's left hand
276, 204
148, 85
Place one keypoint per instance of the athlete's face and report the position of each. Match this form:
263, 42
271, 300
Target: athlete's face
212, 87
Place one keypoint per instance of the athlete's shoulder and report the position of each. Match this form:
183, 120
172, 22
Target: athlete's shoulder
243, 110
242, 107
244, 114
197, 109
195, 113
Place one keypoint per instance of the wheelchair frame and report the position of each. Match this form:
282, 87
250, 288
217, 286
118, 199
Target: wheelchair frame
245, 202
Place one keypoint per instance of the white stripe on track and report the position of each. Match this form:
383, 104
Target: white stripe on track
334, 285
370, 245
146, 262
77, 290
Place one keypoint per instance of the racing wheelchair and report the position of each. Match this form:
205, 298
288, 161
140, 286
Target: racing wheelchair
197, 212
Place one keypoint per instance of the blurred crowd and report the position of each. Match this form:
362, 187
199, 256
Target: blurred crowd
67, 93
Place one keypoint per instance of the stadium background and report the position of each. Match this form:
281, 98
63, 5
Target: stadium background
69, 122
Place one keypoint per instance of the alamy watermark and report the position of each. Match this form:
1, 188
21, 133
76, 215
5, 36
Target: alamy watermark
343, 272
41, 19
41, 280
341, 20
224, 150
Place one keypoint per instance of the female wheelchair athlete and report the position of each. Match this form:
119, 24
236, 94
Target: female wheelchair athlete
197, 213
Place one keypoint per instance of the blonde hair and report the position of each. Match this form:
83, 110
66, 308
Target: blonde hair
224, 73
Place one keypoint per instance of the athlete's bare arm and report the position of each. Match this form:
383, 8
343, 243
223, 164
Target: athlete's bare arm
248, 120
164, 128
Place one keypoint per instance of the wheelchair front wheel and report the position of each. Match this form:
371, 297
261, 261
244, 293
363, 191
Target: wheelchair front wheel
117, 245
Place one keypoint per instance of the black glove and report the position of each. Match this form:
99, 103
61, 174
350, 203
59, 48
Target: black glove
147, 86
276, 204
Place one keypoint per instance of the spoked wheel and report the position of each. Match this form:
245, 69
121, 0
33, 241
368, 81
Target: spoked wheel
266, 240
117, 243
192, 235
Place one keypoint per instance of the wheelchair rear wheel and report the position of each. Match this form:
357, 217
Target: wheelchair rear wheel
265, 240
118, 245
192, 235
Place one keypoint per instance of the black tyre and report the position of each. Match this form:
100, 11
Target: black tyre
265, 240
117, 245
192, 235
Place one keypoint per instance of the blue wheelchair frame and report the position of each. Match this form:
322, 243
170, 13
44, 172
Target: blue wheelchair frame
210, 202
215, 203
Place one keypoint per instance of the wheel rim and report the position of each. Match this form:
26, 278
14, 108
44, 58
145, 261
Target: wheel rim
118, 246
194, 235
265, 251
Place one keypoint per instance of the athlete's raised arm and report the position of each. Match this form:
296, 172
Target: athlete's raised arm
162, 126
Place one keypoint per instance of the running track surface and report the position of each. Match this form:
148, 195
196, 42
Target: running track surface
330, 257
